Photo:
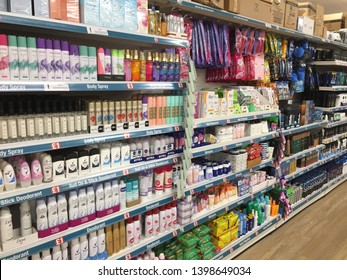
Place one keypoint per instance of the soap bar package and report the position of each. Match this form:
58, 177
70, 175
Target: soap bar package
73, 10
41, 8
20, 6
106, 16
3, 5
90, 12
118, 13
130, 15
57, 9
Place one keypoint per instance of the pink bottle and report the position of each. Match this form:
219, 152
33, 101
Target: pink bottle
101, 61
24, 175
36, 172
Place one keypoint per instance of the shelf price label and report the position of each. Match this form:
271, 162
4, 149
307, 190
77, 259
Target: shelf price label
127, 135
175, 160
224, 180
56, 87
174, 233
126, 215
231, 250
128, 256
55, 146
55, 189
256, 233
97, 30
180, 85
196, 223
177, 128
130, 85
226, 208
191, 192
59, 241
156, 39
125, 172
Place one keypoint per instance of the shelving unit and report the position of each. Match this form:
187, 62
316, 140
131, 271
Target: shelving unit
16, 22
240, 245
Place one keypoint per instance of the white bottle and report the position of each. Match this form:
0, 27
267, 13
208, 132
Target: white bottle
101, 241
75, 249
52, 208
115, 156
100, 197
62, 209
25, 219
2, 185
9, 175
23, 58
82, 203
93, 244
149, 224
46, 255
65, 59
41, 215
173, 214
36, 257
90, 200
6, 227
84, 68
65, 254
162, 219
32, 59
50, 60
98, 113
13, 57
137, 230
130, 232
168, 216
125, 154
105, 154
115, 193
84, 246
123, 194
57, 61
73, 206
57, 254
83, 162
47, 168
145, 148
108, 195
156, 221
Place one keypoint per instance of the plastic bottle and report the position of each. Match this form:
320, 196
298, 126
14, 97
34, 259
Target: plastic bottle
174, 213
168, 216
115, 193
135, 67
101, 241
47, 168
62, 209
25, 219
41, 215
36, 172
156, 222
159, 180
162, 218
105, 154
82, 203
108, 195
130, 232
93, 244
64, 251
2, 185
115, 156
10, 180
127, 65
84, 247
52, 209
57, 254
137, 230
6, 227
149, 224
73, 206
24, 175
75, 249
46, 255
122, 188
100, 197
90, 200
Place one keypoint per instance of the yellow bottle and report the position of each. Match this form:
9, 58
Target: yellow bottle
142, 67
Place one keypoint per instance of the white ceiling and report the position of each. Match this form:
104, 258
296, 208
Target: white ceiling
332, 6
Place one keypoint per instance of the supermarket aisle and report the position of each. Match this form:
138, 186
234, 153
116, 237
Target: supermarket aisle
319, 232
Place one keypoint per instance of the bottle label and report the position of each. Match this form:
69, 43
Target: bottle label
72, 166
84, 164
48, 126
59, 168
95, 161
22, 129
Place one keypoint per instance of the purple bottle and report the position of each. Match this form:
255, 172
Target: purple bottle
42, 58
50, 60
57, 65
65, 59
156, 68
108, 68
74, 63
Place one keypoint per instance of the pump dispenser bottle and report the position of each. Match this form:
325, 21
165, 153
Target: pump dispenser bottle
135, 67
127, 65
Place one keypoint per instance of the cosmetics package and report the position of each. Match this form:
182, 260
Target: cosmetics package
20, 6
41, 8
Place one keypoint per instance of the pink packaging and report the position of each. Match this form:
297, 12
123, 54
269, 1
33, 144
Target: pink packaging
80, 221
106, 212
142, 16
50, 231
73, 10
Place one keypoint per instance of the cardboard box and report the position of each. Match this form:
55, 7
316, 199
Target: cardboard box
291, 14
232, 6
320, 12
307, 9
261, 9
305, 25
335, 21
217, 4
318, 27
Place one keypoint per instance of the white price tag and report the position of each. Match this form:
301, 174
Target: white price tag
268, 25
56, 87
97, 30
107, 128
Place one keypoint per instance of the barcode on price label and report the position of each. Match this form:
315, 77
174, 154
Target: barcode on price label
55, 146
59, 241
